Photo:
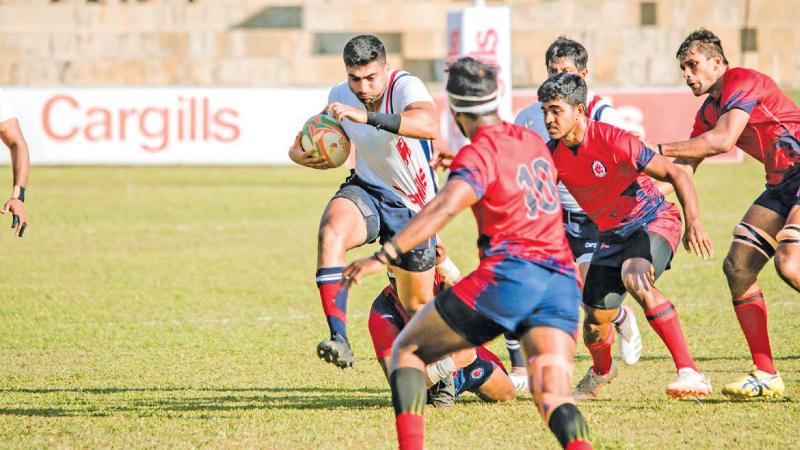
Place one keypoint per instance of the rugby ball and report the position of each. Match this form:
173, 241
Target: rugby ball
324, 135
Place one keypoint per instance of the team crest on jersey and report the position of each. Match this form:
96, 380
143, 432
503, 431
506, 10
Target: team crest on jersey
599, 169
476, 373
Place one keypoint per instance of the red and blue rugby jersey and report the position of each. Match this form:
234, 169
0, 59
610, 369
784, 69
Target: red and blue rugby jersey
772, 134
604, 174
518, 212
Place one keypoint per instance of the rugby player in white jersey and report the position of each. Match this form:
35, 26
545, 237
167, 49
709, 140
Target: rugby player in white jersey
11, 135
566, 55
390, 118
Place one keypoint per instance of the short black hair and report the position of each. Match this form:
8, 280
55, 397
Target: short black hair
469, 76
472, 77
703, 41
362, 50
565, 86
564, 48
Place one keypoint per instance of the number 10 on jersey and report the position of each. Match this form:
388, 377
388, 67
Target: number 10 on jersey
540, 190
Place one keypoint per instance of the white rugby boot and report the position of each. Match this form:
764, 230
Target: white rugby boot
689, 383
520, 381
630, 339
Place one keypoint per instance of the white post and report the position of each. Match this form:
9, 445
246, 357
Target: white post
484, 33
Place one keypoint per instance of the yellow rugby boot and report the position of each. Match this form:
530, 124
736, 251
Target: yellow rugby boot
755, 384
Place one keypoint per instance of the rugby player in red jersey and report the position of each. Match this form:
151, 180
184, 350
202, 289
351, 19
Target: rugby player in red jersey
474, 370
746, 108
525, 282
608, 172
569, 56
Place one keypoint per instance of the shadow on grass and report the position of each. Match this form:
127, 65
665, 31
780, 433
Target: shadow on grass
743, 357
119, 390
163, 401
761, 401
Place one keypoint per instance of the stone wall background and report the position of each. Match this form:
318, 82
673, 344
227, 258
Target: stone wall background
298, 42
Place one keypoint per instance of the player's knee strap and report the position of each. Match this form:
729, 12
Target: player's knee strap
755, 237
752, 236
790, 234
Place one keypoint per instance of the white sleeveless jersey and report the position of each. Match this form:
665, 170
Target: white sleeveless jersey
393, 163
597, 108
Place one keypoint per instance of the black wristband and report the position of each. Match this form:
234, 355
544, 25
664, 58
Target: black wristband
387, 122
386, 258
396, 248
660, 152
382, 256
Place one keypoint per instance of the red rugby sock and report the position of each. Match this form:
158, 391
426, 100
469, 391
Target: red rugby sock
601, 354
751, 310
408, 399
410, 431
664, 320
334, 302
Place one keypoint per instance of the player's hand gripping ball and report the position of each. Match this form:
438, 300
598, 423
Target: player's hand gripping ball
326, 137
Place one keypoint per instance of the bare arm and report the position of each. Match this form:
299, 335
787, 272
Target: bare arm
716, 141
420, 120
11, 135
688, 165
455, 197
695, 238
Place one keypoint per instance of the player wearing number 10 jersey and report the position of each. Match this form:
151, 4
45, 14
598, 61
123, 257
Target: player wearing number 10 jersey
525, 282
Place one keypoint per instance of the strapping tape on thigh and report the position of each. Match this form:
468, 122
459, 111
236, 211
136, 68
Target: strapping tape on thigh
790, 234
754, 237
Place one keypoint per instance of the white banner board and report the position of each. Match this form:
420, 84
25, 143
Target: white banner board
483, 33
162, 125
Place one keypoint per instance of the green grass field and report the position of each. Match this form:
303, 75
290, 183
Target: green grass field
176, 307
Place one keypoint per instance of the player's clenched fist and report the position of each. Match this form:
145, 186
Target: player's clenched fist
340, 111
696, 240
308, 158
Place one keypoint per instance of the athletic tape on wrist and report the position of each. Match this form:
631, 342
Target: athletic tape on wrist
449, 270
440, 370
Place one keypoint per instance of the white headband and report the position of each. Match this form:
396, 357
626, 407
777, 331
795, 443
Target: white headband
471, 98
476, 109
490, 105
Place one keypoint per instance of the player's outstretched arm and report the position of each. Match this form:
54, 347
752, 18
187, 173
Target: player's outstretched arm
695, 238
305, 158
11, 135
689, 165
716, 141
452, 199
